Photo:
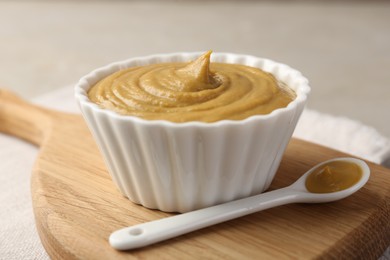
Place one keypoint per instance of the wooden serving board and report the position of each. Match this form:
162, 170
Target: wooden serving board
77, 206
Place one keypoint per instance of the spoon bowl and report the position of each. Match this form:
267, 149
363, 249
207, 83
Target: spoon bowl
159, 230
310, 197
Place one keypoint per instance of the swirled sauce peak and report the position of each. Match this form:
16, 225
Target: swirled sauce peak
194, 91
196, 75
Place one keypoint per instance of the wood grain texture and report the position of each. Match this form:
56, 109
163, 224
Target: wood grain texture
77, 206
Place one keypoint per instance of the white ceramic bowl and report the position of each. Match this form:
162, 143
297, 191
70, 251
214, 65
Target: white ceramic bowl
186, 166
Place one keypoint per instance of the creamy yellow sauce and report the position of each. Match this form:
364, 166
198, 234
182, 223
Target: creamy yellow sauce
333, 176
195, 91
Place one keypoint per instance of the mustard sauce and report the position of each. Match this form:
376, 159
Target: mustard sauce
195, 91
333, 176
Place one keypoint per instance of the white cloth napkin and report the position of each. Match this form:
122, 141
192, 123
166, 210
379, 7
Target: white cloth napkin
19, 239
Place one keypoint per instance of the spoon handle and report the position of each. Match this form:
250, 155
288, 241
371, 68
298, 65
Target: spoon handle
159, 230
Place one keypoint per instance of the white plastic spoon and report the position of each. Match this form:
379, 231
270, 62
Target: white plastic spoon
159, 230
